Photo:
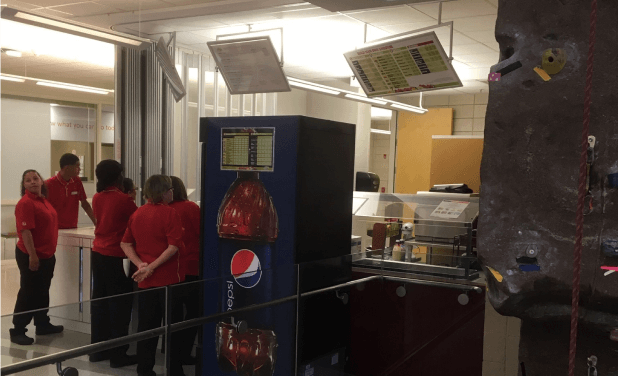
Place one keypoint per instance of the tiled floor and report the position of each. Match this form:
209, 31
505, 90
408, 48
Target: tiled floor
50, 344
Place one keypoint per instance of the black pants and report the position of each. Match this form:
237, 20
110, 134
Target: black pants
192, 298
33, 292
110, 317
151, 313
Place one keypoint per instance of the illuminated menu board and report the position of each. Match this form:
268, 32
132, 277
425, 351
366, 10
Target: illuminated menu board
248, 149
407, 65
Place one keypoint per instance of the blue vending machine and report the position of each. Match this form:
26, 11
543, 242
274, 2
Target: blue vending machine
276, 192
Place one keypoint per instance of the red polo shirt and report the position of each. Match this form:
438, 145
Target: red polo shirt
65, 197
190, 215
151, 229
112, 209
37, 215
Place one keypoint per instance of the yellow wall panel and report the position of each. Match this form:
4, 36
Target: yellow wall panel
414, 145
457, 160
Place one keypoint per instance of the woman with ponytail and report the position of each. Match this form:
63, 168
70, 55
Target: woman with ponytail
110, 316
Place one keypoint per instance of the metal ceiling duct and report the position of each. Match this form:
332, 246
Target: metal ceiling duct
167, 64
348, 5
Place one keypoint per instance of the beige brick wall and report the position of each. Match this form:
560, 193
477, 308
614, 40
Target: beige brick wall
469, 111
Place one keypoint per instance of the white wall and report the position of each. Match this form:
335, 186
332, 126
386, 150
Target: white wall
292, 103
300, 102
26, 142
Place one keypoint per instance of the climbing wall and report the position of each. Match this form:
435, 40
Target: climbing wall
529, 180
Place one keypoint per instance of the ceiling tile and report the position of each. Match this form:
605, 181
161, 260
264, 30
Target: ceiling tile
88, 8
485, 57
402, 28
485, 36
302, 13
185, 37
51, 3
475, 23
471, 49
148, 28
21, 4
53, 12
211, 34
131, 6
191, 2
391, 16
458, 9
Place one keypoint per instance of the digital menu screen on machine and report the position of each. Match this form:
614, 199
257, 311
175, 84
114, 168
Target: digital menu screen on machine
248, 149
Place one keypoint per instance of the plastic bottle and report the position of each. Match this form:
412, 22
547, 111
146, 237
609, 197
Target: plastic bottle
397, 251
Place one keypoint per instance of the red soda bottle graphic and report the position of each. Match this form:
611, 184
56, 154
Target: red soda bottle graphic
247, 224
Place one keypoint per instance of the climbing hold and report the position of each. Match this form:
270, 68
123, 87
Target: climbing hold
542, 73
554, 60
496, 274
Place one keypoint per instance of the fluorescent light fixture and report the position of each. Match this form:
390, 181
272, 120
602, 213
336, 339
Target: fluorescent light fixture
314, 87
381, 131
10, 78
365, 99
71, 27
381, 113
418, 110
13, 53
61, 85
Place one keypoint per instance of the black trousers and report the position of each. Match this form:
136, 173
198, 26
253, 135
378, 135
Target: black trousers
33, 292
192, 297
110, 316
151, 313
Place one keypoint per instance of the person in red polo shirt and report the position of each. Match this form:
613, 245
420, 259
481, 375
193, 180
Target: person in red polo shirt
110, 316
37, 227
66, 192
190, 215
153, 242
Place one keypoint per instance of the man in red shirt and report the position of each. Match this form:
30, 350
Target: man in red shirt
66, 191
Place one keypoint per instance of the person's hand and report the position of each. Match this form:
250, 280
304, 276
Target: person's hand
142, 274
142, 265
34, 263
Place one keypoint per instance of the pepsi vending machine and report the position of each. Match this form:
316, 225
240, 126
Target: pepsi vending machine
276, 191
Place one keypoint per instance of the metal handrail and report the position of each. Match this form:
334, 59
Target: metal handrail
110, 344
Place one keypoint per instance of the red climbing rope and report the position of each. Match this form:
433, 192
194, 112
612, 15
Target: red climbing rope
579, 232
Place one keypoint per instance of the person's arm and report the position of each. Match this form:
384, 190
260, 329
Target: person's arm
26, 235
132, 255
147, 270
88, 210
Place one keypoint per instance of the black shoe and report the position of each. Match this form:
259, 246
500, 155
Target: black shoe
21, 339
151, 373
188, 361
123, 361
49, 329
98, 357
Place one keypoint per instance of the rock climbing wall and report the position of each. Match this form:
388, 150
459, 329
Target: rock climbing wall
529, 177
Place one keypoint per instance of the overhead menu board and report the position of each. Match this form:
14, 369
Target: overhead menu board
413, 64
249, 65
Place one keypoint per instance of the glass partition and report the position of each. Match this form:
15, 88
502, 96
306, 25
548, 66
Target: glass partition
432, 233
325, 317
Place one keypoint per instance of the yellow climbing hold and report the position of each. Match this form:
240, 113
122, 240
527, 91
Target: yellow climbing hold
554, 60
542, 73
496, 274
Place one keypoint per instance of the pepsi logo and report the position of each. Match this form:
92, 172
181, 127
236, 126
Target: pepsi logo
246, 268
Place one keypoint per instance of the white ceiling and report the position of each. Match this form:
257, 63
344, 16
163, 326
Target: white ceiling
197, 22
